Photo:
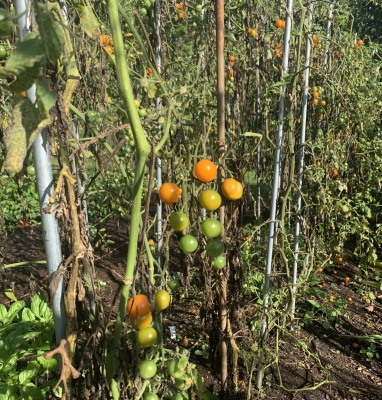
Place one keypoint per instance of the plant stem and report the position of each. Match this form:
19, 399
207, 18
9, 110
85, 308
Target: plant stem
142, 152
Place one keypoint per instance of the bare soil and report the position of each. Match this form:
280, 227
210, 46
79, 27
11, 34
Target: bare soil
351, 377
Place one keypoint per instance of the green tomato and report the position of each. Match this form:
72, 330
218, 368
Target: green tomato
91, 115
210, 200
3, 52
131, 143
150, 396
174, 284
6, 24
179, 221
211, 227
147, 369
198, 7
215, 248
143, 12
174, 370
142, 112
188, 244
147, 4
219, 262
99, 119
31, 170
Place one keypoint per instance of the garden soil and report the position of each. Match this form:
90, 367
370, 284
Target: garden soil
350, 375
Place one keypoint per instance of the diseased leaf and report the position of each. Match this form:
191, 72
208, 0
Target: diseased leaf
89, 21
51, 32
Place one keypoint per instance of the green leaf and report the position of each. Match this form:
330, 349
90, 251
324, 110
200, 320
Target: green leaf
28, 121
51, 364
152, 90
3, 313
253, 134
182, 364
27, 315
14, 310
26, 376
46, 98
40, 308
89, 22
24, 58
326, 324
31, 392
51, 33
10, 295
314, 303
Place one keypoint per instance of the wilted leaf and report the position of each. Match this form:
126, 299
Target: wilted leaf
89, 21
10, 295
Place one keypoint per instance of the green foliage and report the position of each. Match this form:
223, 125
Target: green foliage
25, 334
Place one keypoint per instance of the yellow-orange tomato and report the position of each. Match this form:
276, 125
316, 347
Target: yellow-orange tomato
210, 200
108, 49
169, 193
205, 171
138, 306
104, 40
280, 24
141, 322
162, 300
232, 189
251, 32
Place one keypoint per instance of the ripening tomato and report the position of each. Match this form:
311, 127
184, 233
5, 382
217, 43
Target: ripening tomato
169, 193
179, 221
215, 248
150, 396
188, 244
141, 322
211, 227
147, 369
162, 300
205, 170
210, 200
138, 306
232, 189
219, 262
146, 337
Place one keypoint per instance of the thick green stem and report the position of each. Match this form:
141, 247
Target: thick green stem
142, 152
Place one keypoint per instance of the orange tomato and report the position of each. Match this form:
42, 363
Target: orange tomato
169, 193
280, 24
205, 171
331, 298
232, 58
360, 42
231, 71
316, 95
232, 189
315, 101
149, 72
141, 322
21, 94
179, 6
151, 242
138, 306
181, 15
251, 32
108, 49
320, 117
104, 40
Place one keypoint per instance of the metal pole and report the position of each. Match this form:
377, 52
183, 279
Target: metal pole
275, 190
158, 160
45, 187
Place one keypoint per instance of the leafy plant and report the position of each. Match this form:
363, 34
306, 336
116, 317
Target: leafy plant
25, 334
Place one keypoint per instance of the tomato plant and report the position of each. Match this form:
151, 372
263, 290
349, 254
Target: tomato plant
188, 244
211, 227
210, 200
